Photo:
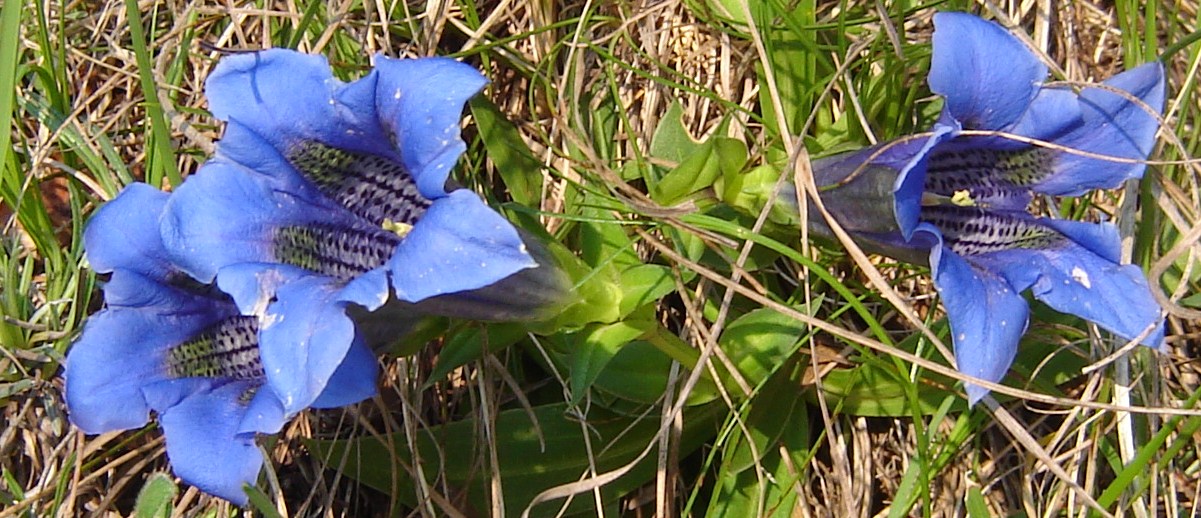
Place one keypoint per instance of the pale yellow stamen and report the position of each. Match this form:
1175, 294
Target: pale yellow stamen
963, 198
399, 228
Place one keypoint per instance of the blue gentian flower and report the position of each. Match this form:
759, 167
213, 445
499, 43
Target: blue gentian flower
169, 344
344, 182
958, 200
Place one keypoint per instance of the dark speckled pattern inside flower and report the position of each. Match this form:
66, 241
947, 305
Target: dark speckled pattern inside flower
339, 252
973, 231
228, 349
374, 188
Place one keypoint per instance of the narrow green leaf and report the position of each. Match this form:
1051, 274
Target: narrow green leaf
907, 492
161, 159
1139, 465
310, 12
976, 506
14, 487
514, 161
261, 502
595, 347
10, 41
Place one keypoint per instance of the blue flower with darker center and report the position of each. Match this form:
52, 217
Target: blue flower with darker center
344, 182
956, 197
167, 343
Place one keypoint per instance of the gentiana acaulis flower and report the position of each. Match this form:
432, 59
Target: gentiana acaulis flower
956, 197
229, 306
167, 343
347, 182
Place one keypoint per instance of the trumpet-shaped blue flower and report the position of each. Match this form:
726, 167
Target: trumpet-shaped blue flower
958, 198
341, 182
183, 349
344, 182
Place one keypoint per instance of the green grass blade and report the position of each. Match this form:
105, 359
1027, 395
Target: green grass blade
160, 160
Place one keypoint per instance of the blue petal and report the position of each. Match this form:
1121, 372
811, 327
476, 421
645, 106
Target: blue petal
1080, 276
987, 76
241, 145
1052, 113
264, 414
222, 215
255, 285
122, 350
369, 290
420, 104
124, 234
909, 159
853, 192
987, 316
460, 244
286, 97
1112, 126
406, 110
352, 381
304, 337
204, 446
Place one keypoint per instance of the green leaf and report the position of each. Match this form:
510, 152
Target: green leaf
1141, 464
792, 52
759, 342
531, 458
644, 284
671, 140
697, 164
907, 491
639, 372
776, 422
605, 242
16, 492
700, 170
8, 390
875, 389
595, 347
160, 161
771, 413
261, 502
976, 506
514, 161
156, 498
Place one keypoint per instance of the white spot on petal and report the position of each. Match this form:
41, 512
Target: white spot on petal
1081, 277
270, 319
